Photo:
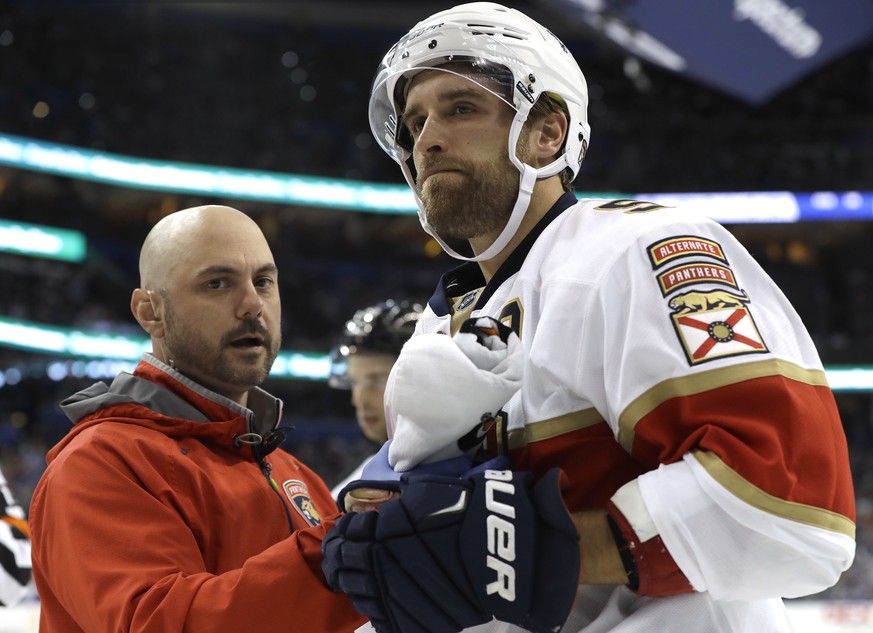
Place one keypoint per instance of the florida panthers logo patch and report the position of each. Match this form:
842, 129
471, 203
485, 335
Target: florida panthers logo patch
714, 325
298, 493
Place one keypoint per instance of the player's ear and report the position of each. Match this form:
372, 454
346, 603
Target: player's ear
552, 131
147, 308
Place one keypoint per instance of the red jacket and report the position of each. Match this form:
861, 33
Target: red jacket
153, 516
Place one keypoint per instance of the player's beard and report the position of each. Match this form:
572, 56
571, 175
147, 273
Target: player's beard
208, 361
477, 200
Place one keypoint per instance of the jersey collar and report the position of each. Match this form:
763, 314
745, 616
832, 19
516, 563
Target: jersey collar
468, 276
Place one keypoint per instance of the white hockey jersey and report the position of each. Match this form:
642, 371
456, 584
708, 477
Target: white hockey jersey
667, 374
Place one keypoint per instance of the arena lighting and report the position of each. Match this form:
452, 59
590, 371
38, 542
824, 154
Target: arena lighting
35, 240
99, 355
138, 173
101, 351
113, 169
771, 206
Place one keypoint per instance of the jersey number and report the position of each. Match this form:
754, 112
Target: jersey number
511, 316
630, 206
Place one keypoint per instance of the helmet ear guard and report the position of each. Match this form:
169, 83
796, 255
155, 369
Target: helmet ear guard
503, 47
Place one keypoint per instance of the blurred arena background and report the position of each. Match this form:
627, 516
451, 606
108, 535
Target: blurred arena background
279, 90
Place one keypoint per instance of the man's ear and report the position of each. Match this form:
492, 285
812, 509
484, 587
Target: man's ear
550, 140
147, 309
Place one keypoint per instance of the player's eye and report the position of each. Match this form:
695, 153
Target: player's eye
415, 125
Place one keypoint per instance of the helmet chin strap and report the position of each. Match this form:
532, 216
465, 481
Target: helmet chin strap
528, 176
527, 180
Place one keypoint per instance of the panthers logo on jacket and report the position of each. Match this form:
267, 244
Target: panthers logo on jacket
298, 493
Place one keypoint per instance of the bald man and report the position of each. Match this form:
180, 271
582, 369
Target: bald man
169, 505
210, 261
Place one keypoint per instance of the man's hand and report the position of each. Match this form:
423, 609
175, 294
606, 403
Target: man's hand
366, 499
380, 482
452, 552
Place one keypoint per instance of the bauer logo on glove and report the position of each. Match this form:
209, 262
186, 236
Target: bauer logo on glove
455, 552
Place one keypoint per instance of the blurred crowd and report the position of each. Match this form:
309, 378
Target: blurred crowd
172, 85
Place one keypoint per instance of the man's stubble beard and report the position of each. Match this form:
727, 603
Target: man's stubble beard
476, 201
189, 350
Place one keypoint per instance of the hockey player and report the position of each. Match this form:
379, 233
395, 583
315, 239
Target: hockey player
370, 343
664, 373
169, 506
15, 566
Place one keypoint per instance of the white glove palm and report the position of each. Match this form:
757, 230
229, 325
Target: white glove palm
441, 388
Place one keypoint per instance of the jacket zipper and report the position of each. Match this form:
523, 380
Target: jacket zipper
267, 470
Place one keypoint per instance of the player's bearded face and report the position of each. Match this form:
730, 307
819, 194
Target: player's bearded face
475, 200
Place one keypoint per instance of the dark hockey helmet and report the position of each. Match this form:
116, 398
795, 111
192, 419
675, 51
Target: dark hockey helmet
382, 328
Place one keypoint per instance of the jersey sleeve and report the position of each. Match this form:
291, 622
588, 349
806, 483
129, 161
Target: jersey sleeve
711, 382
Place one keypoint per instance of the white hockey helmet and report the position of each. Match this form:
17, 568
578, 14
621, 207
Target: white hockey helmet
508, 49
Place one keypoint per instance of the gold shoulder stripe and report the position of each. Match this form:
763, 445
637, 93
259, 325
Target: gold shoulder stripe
754, 496
553, 427
706, 381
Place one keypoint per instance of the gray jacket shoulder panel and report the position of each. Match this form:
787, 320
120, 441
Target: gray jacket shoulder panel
126, 389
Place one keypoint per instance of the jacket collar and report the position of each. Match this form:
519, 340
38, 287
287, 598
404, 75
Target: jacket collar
160, 388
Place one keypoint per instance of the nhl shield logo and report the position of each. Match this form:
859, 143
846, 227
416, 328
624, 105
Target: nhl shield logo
298, 493
716, 326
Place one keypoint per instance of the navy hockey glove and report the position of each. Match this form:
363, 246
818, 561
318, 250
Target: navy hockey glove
451, 553
380, 483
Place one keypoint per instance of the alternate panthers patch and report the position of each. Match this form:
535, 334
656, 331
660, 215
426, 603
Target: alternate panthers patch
714, 325
298, 493
688, 274
680, 246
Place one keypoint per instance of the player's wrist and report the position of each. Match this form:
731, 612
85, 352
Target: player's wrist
601, 562
649, 566
623, 548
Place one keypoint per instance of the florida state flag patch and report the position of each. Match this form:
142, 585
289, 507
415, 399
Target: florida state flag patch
716, 327
298, 493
